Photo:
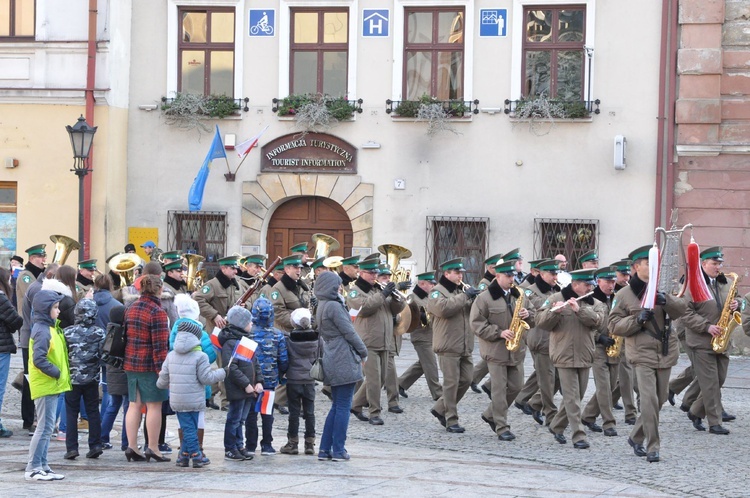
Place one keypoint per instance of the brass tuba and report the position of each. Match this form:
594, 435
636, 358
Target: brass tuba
729, 320
195, 276
393, 254
517, 325
63, 247
125, 265
324, 245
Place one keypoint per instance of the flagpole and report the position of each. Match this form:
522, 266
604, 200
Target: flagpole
243, 160
230, 361
229, 170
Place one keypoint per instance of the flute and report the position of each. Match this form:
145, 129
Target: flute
568, 302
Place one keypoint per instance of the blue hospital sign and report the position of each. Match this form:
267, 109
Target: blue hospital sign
262, 22
375, 22
493, 22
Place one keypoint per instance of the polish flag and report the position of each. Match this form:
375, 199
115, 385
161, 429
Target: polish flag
247, 145
215, 337
245, 349
353, 314
264, 405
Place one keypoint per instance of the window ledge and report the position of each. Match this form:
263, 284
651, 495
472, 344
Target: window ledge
553, 120
292, 118
463, 119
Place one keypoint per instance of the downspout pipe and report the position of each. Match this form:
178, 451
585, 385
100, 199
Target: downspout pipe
90, 101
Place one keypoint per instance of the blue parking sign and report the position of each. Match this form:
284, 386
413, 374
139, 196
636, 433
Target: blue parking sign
375, 22
493, 22
262, 22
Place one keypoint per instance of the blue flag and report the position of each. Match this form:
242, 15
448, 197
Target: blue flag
195, 197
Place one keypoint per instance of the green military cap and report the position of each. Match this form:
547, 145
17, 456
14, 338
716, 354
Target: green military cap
371, 262
293, 260
89, 264
384, 270
317, 263
623, 266
606, 273
173, 265
585, 276
493, 260
279, 267
299, 248
514, 254
171, 255
507, 266
640, 253
428, 276
37, 249
352, 261
715, 253
258, 259
588, 256
228, 261
453, 264
535, 263
550, 265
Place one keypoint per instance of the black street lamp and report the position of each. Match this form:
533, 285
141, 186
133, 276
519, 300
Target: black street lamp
81, 139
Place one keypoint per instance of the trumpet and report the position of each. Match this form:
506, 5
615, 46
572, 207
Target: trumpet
560, 306
397, 295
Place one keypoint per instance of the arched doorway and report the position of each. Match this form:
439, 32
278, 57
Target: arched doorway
298, 219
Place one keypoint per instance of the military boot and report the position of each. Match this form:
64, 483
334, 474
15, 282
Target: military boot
309, 446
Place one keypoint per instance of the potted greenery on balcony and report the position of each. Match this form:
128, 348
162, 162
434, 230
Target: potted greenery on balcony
188, 110
540, 109
437, 113
316, 112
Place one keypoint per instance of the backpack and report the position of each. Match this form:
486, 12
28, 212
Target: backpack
113, 350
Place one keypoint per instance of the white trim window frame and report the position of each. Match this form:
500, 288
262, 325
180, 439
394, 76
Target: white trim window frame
283, 29
397, 28
172, 39
518, 32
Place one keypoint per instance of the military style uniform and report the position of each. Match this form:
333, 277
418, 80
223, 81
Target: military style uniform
571, 349
644, 344
491, 314
374, 324
480, 369
83, 285
175, 286
287, 295
266, 290
25, 278
216, 297
421, 340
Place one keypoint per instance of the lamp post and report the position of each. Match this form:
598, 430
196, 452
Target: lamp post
81, 139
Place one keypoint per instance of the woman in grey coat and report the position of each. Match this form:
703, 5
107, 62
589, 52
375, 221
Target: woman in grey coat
343, 355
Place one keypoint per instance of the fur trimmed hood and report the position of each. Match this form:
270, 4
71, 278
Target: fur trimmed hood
52, 284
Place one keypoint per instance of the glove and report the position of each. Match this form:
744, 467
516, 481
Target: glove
402, 286
644, 316
606, 341
303, 285
423, 317
661, 299
472, 292
313, 301
389, 288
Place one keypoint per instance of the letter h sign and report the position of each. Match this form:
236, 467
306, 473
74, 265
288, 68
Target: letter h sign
375, 22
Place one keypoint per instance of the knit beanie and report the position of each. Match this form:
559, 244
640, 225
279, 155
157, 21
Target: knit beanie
187, 307
239, 317
301, 318
190, 327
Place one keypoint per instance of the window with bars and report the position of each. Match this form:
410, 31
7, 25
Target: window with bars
571, 238
454, 237
17, 20
203, 233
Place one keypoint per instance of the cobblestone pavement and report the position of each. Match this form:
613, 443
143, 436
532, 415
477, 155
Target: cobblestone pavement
413, 455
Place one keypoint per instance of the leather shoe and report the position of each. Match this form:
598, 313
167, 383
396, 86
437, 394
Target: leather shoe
440, 418
610, 432
717, 429
360, 416
592, 426
506, 436
402, 392
518, 405
489, 422
670, 397
638, 449
525, 408
210, 404
581, 445
617, 406
95, 452
487, 391
395, 409
71, 455
685, 408
630, 421
475, 388
283, 410
560, 438
697, 423
537, 416
653, 457
376, 421
455, 428
725, 417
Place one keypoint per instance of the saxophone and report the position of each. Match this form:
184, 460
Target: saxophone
728, 321
517, 326
615, 349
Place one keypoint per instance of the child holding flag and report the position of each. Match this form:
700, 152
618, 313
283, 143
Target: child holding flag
244, 380
186, 372
272, 356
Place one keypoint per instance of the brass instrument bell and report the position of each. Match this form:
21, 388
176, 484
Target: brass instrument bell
63, 247
125, 265
194, 274
324, 245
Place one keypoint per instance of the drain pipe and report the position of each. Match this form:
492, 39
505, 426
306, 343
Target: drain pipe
90, 85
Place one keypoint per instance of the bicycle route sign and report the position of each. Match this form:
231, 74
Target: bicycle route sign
262, 22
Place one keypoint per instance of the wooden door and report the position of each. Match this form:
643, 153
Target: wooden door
297, 220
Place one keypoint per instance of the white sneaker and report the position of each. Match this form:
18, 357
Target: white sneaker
54, 475
38, 475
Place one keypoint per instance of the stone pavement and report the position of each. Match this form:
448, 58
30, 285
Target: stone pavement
413, 455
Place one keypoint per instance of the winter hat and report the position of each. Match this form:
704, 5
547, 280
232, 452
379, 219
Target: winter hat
117, 315
190, 327
85, 311
187, 307
301, 317
239, 317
